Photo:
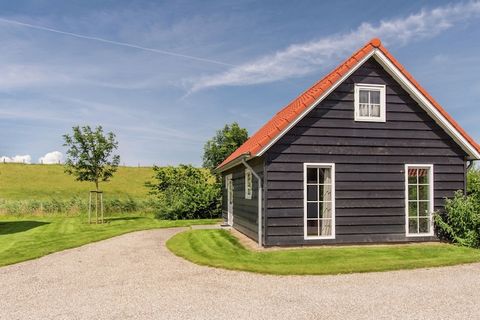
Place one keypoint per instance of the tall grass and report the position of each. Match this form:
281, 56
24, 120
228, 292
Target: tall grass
74, 206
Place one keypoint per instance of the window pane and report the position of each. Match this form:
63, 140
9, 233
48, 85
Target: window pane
412, 192
312, 175
423, 208
424, 226
312, 193
364, 96
325, 209
412, 208
423, 192
326, 227
412, 176
423, 176
312, 227
325, 192
324, 175
312, 210
375, 110
412, 225
363, 109
375, 97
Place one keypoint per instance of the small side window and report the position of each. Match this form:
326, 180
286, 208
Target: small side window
248, 184
370, 102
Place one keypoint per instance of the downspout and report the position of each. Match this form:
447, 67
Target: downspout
260, 202
470, 164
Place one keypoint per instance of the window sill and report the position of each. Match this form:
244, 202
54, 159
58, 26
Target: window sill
370, 120
418, 235
319, 238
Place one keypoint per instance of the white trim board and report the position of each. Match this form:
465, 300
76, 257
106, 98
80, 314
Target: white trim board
407, 85
425, 104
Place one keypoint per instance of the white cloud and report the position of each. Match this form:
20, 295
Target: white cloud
301, 59
51, 158
17, 159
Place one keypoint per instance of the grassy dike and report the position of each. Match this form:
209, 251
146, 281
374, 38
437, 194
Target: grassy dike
44, 182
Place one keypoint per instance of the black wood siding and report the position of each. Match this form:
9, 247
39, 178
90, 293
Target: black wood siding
370, 162
245, 211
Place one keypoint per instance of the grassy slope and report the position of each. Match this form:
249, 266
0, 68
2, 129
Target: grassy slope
27, 182
28, 238
218, 248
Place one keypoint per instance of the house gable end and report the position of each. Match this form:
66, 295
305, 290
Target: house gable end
407, 124
286, 118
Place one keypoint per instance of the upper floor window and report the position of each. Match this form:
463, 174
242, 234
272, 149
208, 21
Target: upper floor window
248, 184
370, 102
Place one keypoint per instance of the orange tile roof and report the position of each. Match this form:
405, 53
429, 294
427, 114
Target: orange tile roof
290, 113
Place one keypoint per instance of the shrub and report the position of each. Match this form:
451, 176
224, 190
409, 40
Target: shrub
461, 221
185, 192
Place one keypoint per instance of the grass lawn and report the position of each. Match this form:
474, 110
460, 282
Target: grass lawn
32, 237
43, 182
218, 248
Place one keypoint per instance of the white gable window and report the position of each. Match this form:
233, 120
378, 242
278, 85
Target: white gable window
248, 184
369, 102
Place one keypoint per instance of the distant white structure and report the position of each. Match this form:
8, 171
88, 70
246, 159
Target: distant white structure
53, 157
16, 159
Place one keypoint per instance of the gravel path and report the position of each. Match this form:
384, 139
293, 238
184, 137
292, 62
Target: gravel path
135, 276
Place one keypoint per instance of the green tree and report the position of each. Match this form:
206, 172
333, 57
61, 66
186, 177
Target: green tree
90, 154
226, 141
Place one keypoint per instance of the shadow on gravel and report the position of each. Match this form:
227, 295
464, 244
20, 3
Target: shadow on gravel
9, 227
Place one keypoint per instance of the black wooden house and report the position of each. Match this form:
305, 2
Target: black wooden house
365, 155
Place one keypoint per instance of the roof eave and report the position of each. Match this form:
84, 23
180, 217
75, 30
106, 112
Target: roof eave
235, 162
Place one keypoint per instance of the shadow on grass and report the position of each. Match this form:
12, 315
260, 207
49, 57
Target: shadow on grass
9, 227
123, 218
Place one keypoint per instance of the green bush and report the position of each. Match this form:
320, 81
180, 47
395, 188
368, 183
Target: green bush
460, 223
473, 183
185, 192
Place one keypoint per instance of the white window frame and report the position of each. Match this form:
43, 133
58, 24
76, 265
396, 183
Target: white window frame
330, 166
375, 87
248, 184
431, 202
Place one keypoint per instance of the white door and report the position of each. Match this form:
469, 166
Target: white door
229, 183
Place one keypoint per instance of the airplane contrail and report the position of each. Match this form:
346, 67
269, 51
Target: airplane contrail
118, 43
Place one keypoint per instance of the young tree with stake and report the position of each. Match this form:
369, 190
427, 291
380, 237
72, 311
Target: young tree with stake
90, 156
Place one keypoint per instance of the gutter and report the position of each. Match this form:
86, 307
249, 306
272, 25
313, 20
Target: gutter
260, 202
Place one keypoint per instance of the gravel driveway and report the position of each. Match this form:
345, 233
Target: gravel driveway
135, 276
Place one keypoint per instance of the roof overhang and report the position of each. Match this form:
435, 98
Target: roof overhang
235, 162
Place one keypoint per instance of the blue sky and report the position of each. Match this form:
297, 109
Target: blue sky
164, 76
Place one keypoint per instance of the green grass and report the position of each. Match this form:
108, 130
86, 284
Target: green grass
28, 238
43, 182
218, 248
